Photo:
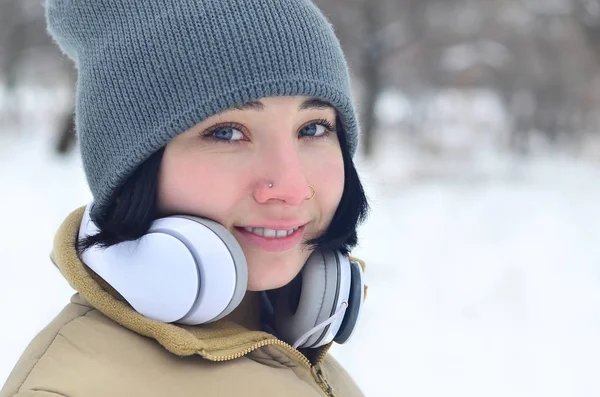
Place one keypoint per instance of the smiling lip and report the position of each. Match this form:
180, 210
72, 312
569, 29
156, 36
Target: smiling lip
273, 244
278, 225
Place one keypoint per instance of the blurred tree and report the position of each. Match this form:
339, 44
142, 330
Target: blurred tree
25, 45
587, 13
66, 135
529, 52
11, 37
540, 57
373, 32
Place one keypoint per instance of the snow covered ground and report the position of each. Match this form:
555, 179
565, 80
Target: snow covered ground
486, 284
488, 288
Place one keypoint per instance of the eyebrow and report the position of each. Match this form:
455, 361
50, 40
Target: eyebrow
315, 103
309, 104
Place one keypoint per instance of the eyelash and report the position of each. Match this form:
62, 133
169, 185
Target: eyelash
329, 128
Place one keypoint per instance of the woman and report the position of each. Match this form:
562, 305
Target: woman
207, 127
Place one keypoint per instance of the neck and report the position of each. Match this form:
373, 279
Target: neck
247, 314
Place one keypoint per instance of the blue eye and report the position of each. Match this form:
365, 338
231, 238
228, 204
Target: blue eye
318, 129
225, 134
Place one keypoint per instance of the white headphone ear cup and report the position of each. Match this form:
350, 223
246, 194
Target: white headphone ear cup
324, 285
214, 270
185, 269
161, 291
220, 263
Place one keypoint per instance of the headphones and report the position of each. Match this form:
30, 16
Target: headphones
191, 270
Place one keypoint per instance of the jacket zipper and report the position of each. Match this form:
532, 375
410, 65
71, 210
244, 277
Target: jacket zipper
322, 382
322, 353
317, 373
301, 357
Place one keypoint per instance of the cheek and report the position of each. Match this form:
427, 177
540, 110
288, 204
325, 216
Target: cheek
195, 184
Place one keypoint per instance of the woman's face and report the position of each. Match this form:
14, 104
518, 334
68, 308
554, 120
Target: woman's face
221, 169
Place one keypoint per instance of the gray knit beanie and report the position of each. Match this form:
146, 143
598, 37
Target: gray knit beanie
151, 69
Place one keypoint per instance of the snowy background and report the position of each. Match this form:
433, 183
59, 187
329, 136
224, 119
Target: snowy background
483, 268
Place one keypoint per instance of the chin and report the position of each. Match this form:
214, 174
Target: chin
266, 284
265, 277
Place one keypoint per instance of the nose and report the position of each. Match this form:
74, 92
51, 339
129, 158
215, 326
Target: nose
285, 171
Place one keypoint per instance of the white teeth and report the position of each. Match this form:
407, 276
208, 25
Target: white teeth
259, 231
281, 233
270, 233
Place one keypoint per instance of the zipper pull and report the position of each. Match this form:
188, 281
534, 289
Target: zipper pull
323, 382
